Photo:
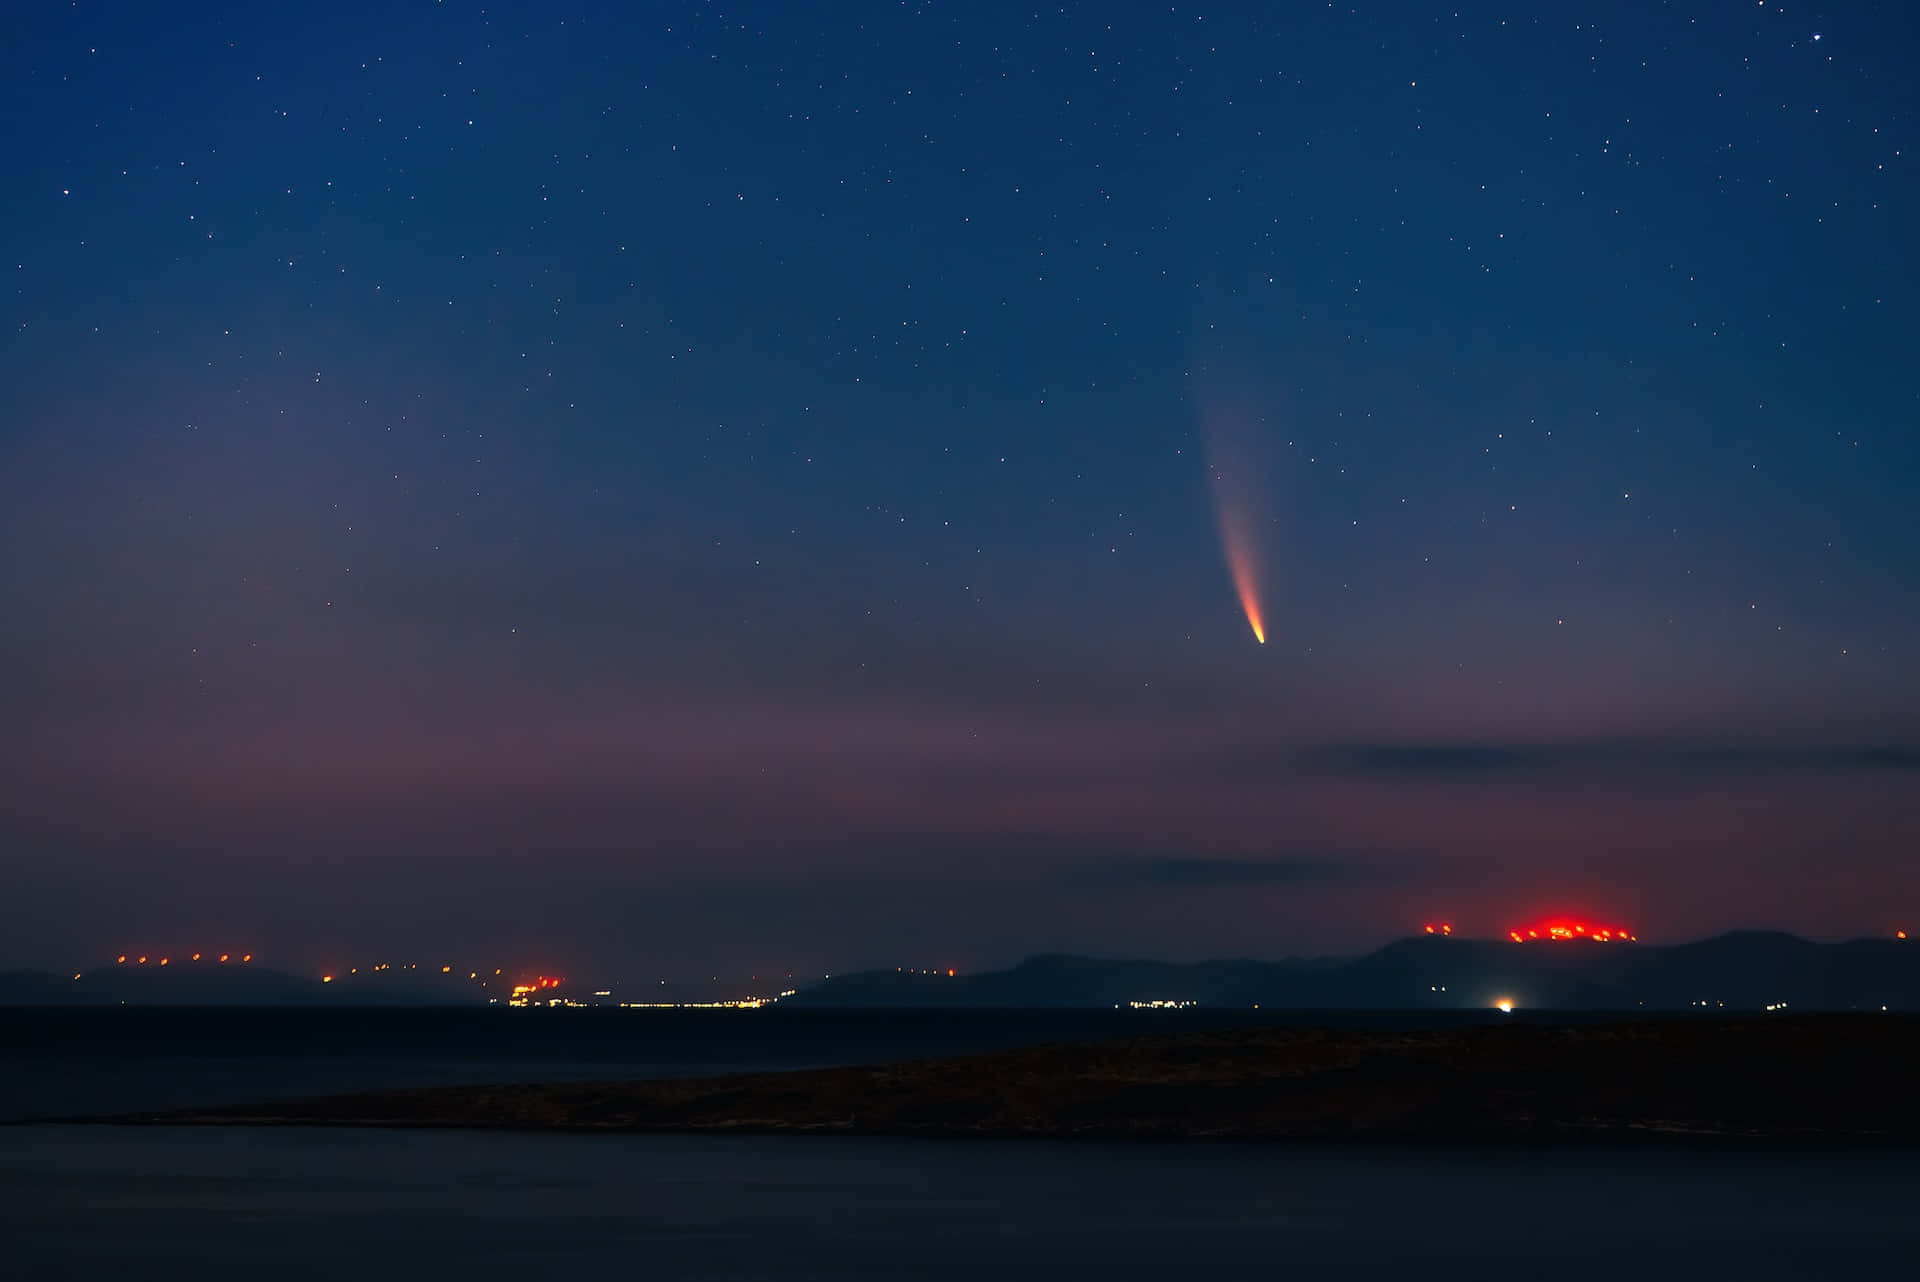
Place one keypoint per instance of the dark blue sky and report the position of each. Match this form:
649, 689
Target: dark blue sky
706, 487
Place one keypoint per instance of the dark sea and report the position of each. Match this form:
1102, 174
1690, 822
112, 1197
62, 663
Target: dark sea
63, 1063
162, 1202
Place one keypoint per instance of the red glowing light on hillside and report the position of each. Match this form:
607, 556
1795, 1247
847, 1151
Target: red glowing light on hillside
1561, 928
1444, 928
1899, 934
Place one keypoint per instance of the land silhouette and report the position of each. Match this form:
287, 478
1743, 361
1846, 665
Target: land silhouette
1831, 1079
1740, 971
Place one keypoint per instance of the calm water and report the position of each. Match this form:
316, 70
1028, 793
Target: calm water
164, 1203
138, 1203
67, 1063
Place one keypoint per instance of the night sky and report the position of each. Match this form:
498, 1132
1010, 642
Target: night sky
707, 487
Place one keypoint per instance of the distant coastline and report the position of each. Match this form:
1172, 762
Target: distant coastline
1830, 1079
1743, 971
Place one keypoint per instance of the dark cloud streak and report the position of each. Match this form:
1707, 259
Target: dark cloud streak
1441, 760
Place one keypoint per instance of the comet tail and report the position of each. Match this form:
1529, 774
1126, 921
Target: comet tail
1241, 565
1239, 508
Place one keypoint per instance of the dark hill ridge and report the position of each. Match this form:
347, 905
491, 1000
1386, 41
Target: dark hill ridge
1834, 1078
1736, 972
1747, 970
204, 984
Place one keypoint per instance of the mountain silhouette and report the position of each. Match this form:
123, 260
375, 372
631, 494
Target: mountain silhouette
1744, 970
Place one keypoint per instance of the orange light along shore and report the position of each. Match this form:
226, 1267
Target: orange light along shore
1564, 930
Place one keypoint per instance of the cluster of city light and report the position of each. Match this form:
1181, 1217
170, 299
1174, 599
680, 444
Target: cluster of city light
449, 969
732, 1003
1161, 1003
142, 959
926, 970
378, 967
1572, 930
1444, 928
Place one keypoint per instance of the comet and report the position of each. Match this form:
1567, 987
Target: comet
1235, 510
1243, 569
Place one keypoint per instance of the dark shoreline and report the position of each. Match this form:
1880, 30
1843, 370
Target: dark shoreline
1822, 1081
1630, 1137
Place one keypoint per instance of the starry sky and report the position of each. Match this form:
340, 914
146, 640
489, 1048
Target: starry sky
709, 487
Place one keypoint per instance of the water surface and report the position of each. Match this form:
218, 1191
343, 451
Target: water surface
58, 1064
175, 1203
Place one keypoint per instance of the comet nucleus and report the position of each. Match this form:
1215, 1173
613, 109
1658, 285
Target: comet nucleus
1236, 509
1242, 566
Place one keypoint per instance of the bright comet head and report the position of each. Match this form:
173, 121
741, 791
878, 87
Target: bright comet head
1232, 450
1243, 563
1240, 564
